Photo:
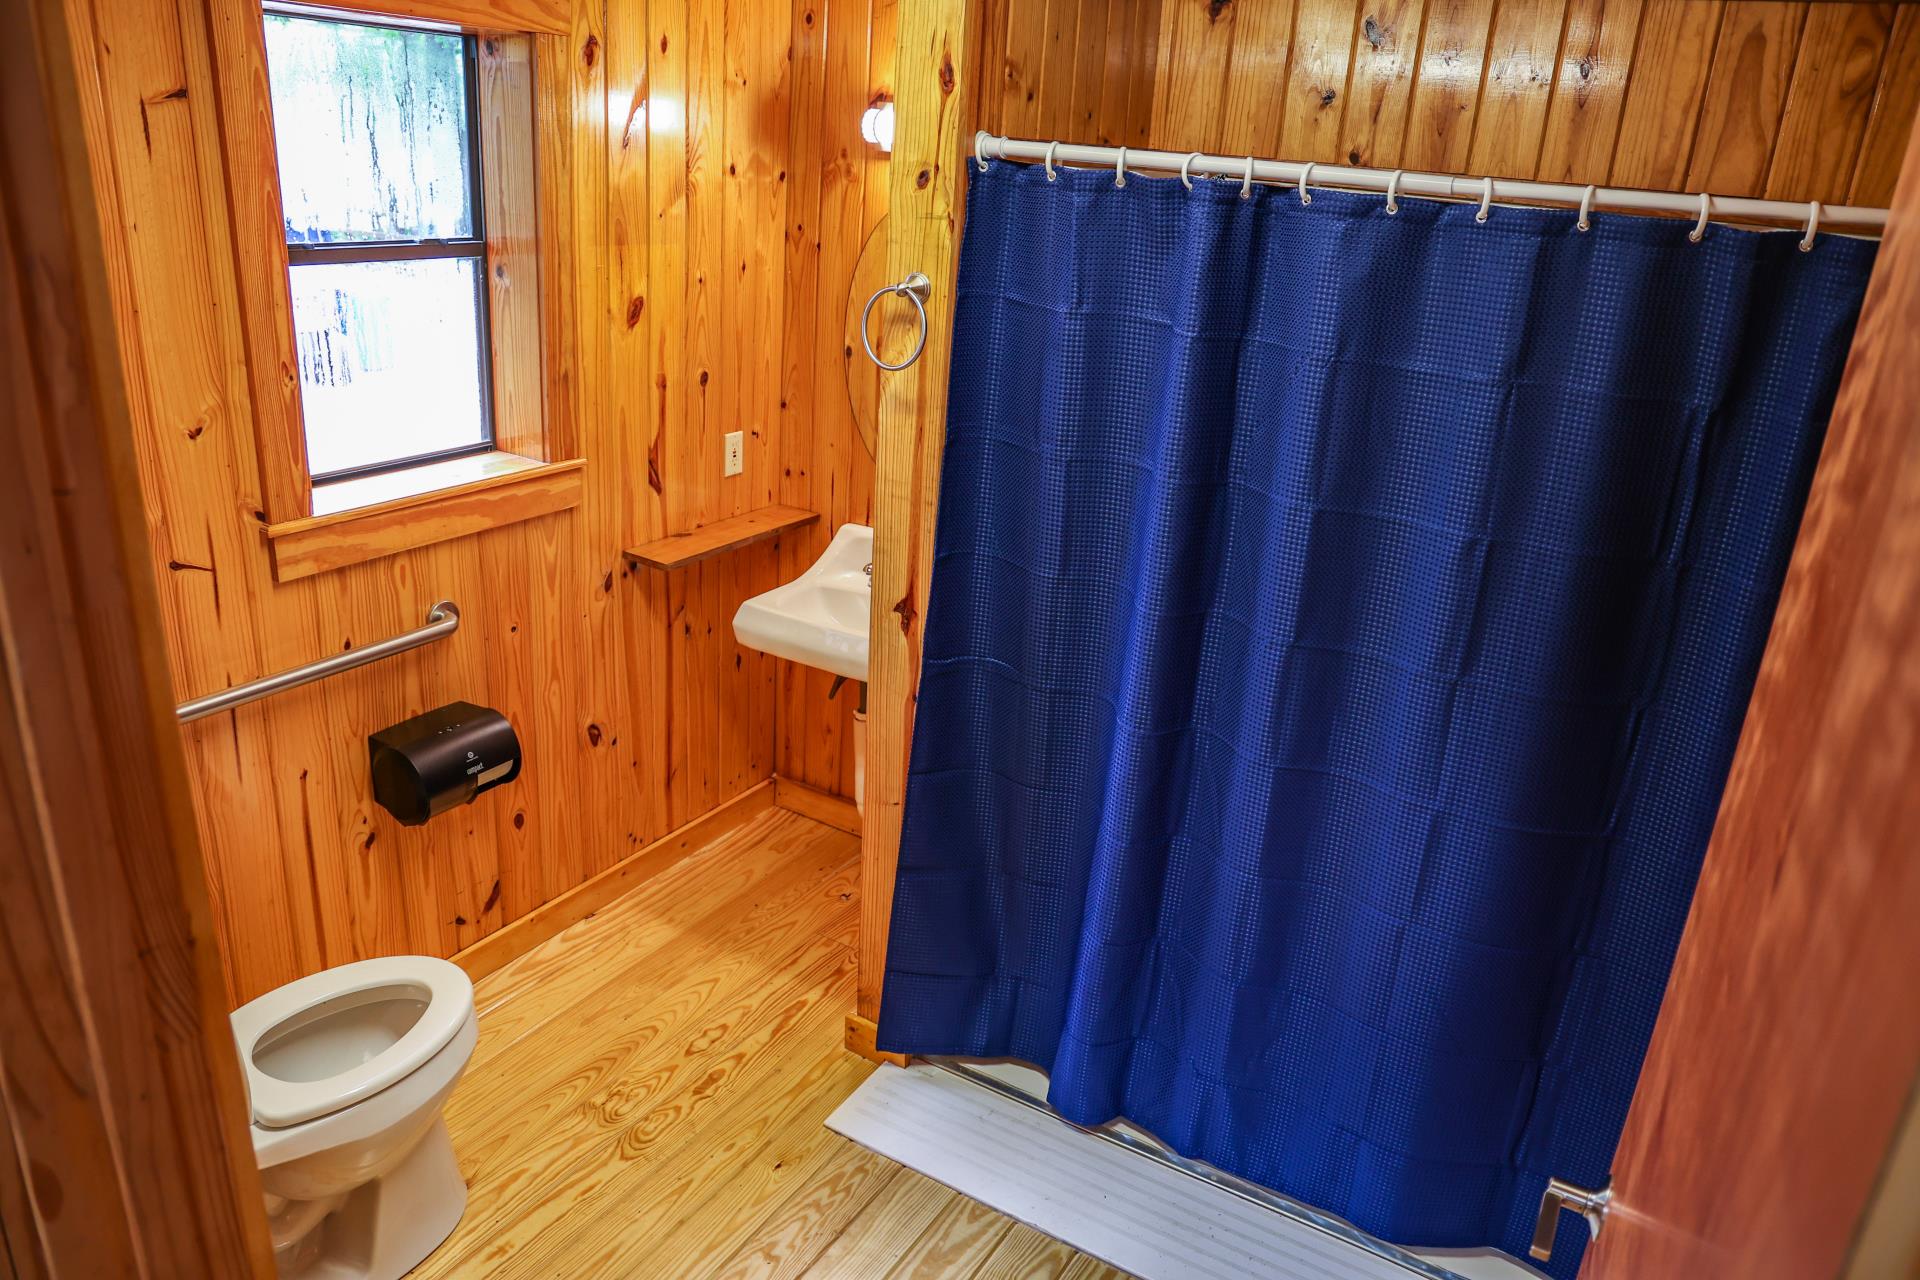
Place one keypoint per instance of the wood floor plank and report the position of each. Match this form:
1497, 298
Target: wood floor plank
649, 1095
633, 1080
756, 1168
647, 1116
601, 1222
746, 937
744, 872
954, 1244
792, 1237
608, 1079
618, 1051
1026, 1254
884, 1230
664, 905
807, 894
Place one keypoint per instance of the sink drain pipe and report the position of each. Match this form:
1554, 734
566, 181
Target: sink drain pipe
860, 753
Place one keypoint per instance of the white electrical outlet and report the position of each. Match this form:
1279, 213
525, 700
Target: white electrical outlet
736, 453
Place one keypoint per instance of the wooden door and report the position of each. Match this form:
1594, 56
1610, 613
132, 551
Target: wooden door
20, 1257
125, 1147
1789, 1040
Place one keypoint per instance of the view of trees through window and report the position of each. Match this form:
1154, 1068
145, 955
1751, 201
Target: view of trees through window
379, 193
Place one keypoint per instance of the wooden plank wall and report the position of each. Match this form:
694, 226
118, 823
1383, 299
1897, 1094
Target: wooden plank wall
719, 193
843, 58
1077, 70
1741, 97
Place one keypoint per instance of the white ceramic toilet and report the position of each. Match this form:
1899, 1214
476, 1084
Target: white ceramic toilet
347, 1072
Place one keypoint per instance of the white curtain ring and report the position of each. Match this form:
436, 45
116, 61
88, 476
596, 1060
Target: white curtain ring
979, 156
1813, 225
1120, 169
1586, 209
1306, 174
1246, 183
1051, 148
1186, 179
1393, 191
1700, 226
1486, 199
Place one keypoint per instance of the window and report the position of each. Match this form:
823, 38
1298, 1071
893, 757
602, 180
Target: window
382, 199
404, 263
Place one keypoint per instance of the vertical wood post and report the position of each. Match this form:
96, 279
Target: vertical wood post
933, 123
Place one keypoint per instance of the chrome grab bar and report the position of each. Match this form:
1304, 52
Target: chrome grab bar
442, 620
916, 289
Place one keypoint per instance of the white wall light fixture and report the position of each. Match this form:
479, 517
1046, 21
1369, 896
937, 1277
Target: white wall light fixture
876, 124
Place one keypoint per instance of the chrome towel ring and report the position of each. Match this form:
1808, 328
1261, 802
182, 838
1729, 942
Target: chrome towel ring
916, 289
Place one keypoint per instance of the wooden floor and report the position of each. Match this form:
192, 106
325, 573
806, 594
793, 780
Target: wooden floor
648, 1095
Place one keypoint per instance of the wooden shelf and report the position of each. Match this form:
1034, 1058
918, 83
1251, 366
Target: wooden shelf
677, 550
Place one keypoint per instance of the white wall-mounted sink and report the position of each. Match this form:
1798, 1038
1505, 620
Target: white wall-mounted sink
820, 618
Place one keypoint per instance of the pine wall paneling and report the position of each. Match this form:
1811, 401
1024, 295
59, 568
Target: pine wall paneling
1741, 97
836, 201
1029, 89
692, 288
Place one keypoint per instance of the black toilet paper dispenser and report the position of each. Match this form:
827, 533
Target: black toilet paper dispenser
442, 758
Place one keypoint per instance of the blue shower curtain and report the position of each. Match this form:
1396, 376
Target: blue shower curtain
1340, 627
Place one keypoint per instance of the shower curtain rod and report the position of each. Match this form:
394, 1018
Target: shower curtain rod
1812, 216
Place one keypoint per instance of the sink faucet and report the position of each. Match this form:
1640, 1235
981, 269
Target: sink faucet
868, 570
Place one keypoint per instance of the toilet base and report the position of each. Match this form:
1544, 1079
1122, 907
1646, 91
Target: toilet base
384, 1229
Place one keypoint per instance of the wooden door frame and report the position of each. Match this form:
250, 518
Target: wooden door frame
128, 1152
1766, 1180
937, 81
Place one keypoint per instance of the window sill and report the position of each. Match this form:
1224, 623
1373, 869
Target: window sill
505, 494
429, 478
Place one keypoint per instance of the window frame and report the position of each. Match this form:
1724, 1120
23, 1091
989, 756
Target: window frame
540, 98
473, 247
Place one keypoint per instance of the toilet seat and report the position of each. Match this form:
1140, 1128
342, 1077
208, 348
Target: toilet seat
281, 1104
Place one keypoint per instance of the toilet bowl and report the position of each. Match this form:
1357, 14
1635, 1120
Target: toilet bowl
347, 1071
